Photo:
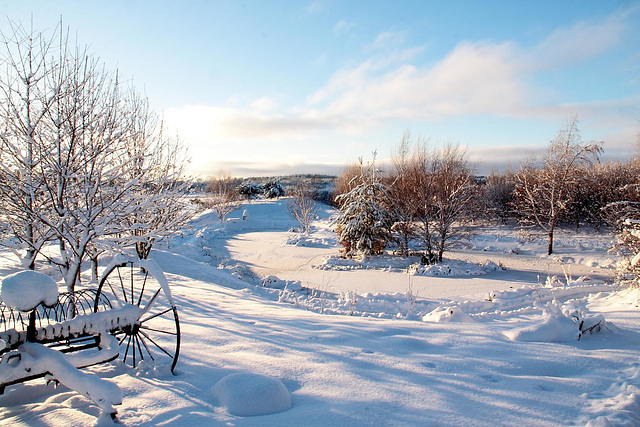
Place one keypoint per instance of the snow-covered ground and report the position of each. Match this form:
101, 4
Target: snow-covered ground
486, 338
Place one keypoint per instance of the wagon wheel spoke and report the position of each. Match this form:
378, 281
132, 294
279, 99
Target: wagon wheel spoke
146, 347
124, 359
157, 345
157, 330
124, 293
150, 304
156, 315
124, 337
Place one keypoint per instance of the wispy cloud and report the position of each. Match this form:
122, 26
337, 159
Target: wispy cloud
389, 38
582, 41
343, 27
316, 6
321, 59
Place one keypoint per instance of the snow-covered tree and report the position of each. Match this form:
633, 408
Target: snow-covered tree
26, 98
302, 206
223, 196
158, 204
72, 169
85, 129
364, 224
543, 195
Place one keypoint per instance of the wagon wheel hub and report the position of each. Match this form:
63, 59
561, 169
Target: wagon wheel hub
131, 329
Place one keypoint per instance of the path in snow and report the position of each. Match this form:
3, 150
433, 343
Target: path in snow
265, 254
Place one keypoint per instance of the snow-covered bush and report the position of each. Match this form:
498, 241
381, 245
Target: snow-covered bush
626, 214
273, 190
629, 242
564, 323
250, 190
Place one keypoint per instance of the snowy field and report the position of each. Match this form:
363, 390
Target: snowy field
487, 338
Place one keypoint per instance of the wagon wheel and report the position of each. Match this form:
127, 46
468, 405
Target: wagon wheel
155, 337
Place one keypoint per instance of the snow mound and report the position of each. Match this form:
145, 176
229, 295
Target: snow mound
275, 283
378, 262
308, 241
447, 315
246, 394
26, 289
455, 268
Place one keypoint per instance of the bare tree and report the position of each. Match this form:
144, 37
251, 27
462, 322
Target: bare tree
404, 193
158, 204
605, 185
345, 181
498, 195
224, 196
445, 198
302, 206
543, 195
454, 199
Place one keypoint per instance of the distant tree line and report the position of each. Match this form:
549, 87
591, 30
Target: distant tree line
430, 196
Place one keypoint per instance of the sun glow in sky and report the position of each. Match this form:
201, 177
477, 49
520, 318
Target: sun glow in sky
276, 87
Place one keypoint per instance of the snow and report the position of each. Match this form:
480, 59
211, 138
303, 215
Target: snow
154, 269
26, 289
447, 314
352, 347
246, 394
43, 359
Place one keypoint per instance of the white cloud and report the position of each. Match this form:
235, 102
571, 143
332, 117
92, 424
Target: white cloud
263, 104
475, 78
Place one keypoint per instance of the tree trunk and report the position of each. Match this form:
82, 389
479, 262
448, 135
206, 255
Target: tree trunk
143, 249
94, 269
550, 249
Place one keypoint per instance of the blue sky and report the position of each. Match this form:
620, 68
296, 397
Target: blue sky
274, 87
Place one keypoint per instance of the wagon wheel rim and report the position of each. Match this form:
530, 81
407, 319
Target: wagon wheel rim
155, 337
